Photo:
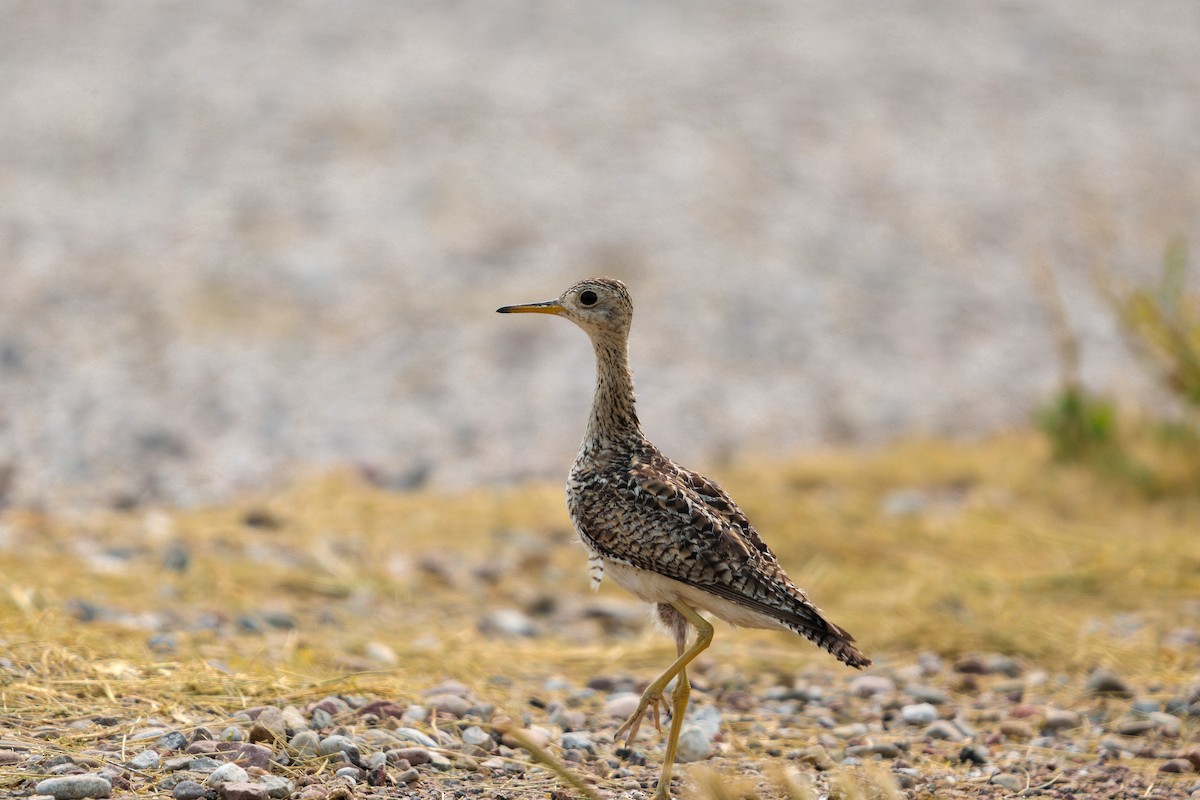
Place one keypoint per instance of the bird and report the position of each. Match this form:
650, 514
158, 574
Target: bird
670, 536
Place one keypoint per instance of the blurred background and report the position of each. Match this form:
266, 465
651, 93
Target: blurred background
241, 241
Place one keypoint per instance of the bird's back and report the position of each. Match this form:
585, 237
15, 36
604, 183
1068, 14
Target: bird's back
635, 508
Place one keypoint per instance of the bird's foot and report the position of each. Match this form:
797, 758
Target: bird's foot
629, 729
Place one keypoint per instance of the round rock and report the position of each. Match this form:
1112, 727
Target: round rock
227, 773
188, 790
74, 787
918, 714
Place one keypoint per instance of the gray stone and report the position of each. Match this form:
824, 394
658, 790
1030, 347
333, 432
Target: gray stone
695, 744
147, 759
268, 727
817, 756
871, 685
945, 730
277, 786
919, 714
851, 730
306, 743
188, 790
1167, 724
414, 735
507, 622
881, 749
1106, 682
243, 790
478, 737
1058, 719
449, 705
621, 705
227, 773
171, 741
74, 787
926, 694
204, 764
294, 719
338, 744
1012, 783
578, 741
415, 756
352, 773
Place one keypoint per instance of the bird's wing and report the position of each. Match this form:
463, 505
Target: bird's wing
661, 518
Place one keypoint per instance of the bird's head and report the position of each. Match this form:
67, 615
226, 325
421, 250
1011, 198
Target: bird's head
601, 306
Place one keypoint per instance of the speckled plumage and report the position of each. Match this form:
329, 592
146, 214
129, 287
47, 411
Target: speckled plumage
668, 535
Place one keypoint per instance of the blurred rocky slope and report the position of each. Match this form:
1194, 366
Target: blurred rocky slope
241, 239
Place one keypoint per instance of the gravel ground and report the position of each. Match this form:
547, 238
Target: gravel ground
983, 726
241, 239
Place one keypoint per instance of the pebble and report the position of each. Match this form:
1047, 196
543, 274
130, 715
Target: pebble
817, 756
854, 730
353, 773
578, 741
1178, 765
306, 743
695, 744
244, 791
1058, 719
1134, 727
414, 735
415, 756
449, 705
188, 790
621, 705
478, 737
1167, 724
1017, 729
919, 714
881, 749
926, 694
268, 727
871, 685
277, 786
147, 759
943, 729
254, 755
227, 773
507, 622
293, 719
1108, 683
535, 736
1013, 783
171, 741
335, 743
74, 787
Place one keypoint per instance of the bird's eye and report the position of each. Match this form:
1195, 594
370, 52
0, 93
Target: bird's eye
587, 298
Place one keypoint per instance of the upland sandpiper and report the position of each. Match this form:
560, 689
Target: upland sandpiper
662, 532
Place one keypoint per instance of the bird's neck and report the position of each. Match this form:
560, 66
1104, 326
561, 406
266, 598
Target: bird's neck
613, 420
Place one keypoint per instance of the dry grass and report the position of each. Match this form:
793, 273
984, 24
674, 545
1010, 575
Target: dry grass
923, 546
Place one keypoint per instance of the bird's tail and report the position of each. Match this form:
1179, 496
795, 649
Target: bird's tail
837, 641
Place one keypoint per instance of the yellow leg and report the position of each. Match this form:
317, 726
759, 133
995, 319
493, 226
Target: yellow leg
654, 693
679, 703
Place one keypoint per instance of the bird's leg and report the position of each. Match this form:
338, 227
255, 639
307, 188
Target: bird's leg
654, 692
677, 624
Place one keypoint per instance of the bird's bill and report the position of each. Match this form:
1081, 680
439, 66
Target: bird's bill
548, 307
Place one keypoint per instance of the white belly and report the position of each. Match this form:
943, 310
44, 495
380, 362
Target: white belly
655, 588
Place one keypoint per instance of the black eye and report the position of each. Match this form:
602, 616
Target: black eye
588, 298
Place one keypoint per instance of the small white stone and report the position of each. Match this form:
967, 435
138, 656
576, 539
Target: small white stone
694, 745
227, 773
